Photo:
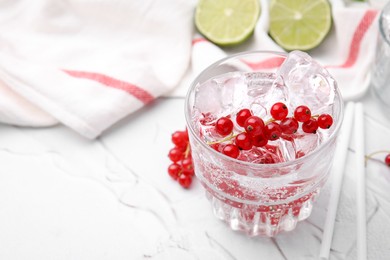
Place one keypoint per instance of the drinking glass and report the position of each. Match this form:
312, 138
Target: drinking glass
259, 199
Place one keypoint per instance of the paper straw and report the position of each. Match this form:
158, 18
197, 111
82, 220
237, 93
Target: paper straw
360, 184
338, 173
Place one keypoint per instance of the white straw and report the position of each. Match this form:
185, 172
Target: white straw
360, 184
338, 173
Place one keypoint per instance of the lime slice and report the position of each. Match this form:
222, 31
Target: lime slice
299, 24
227, 22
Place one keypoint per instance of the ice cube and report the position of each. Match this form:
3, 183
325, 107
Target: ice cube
308, 82
222, 95
259, 83
265, 90
306, 143
207, 97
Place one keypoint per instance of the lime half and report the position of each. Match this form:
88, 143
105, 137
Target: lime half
299, 24
227, 22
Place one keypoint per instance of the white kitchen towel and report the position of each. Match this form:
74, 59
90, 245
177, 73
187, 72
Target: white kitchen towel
347, 51
87, 64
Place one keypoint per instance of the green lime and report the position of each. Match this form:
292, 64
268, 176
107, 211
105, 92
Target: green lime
299, 24
227, 22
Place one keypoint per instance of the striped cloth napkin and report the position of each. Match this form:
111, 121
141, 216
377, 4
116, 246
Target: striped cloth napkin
88, 64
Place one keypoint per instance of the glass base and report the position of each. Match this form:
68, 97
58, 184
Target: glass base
268, 221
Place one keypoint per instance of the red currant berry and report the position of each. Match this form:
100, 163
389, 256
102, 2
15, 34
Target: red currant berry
180, 138
174, 170
189, 172
279, 111
259, 140
289, 125
242, 116
254, 125
216, 146
299, 154
231, 150
175, 154
186, 165
185, 180
325, 121
224, 126
387, 160
243, 141
182, 148
273, 131
310, 126
302, 113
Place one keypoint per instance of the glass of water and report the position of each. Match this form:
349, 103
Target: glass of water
268, 188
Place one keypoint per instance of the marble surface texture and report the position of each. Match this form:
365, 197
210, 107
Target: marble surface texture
65, 197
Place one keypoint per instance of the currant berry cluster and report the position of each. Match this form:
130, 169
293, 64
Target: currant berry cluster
386, 160
258, 133
181, 169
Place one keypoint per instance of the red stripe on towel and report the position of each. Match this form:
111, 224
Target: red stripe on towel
265, 64
357, 38
196, 40
139, 93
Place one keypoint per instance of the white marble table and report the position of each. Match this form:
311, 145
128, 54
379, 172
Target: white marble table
65, 197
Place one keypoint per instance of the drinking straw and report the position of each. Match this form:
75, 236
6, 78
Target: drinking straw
338, 172
360, 184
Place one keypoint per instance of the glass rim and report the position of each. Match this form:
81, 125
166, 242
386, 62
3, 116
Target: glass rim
250, 164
